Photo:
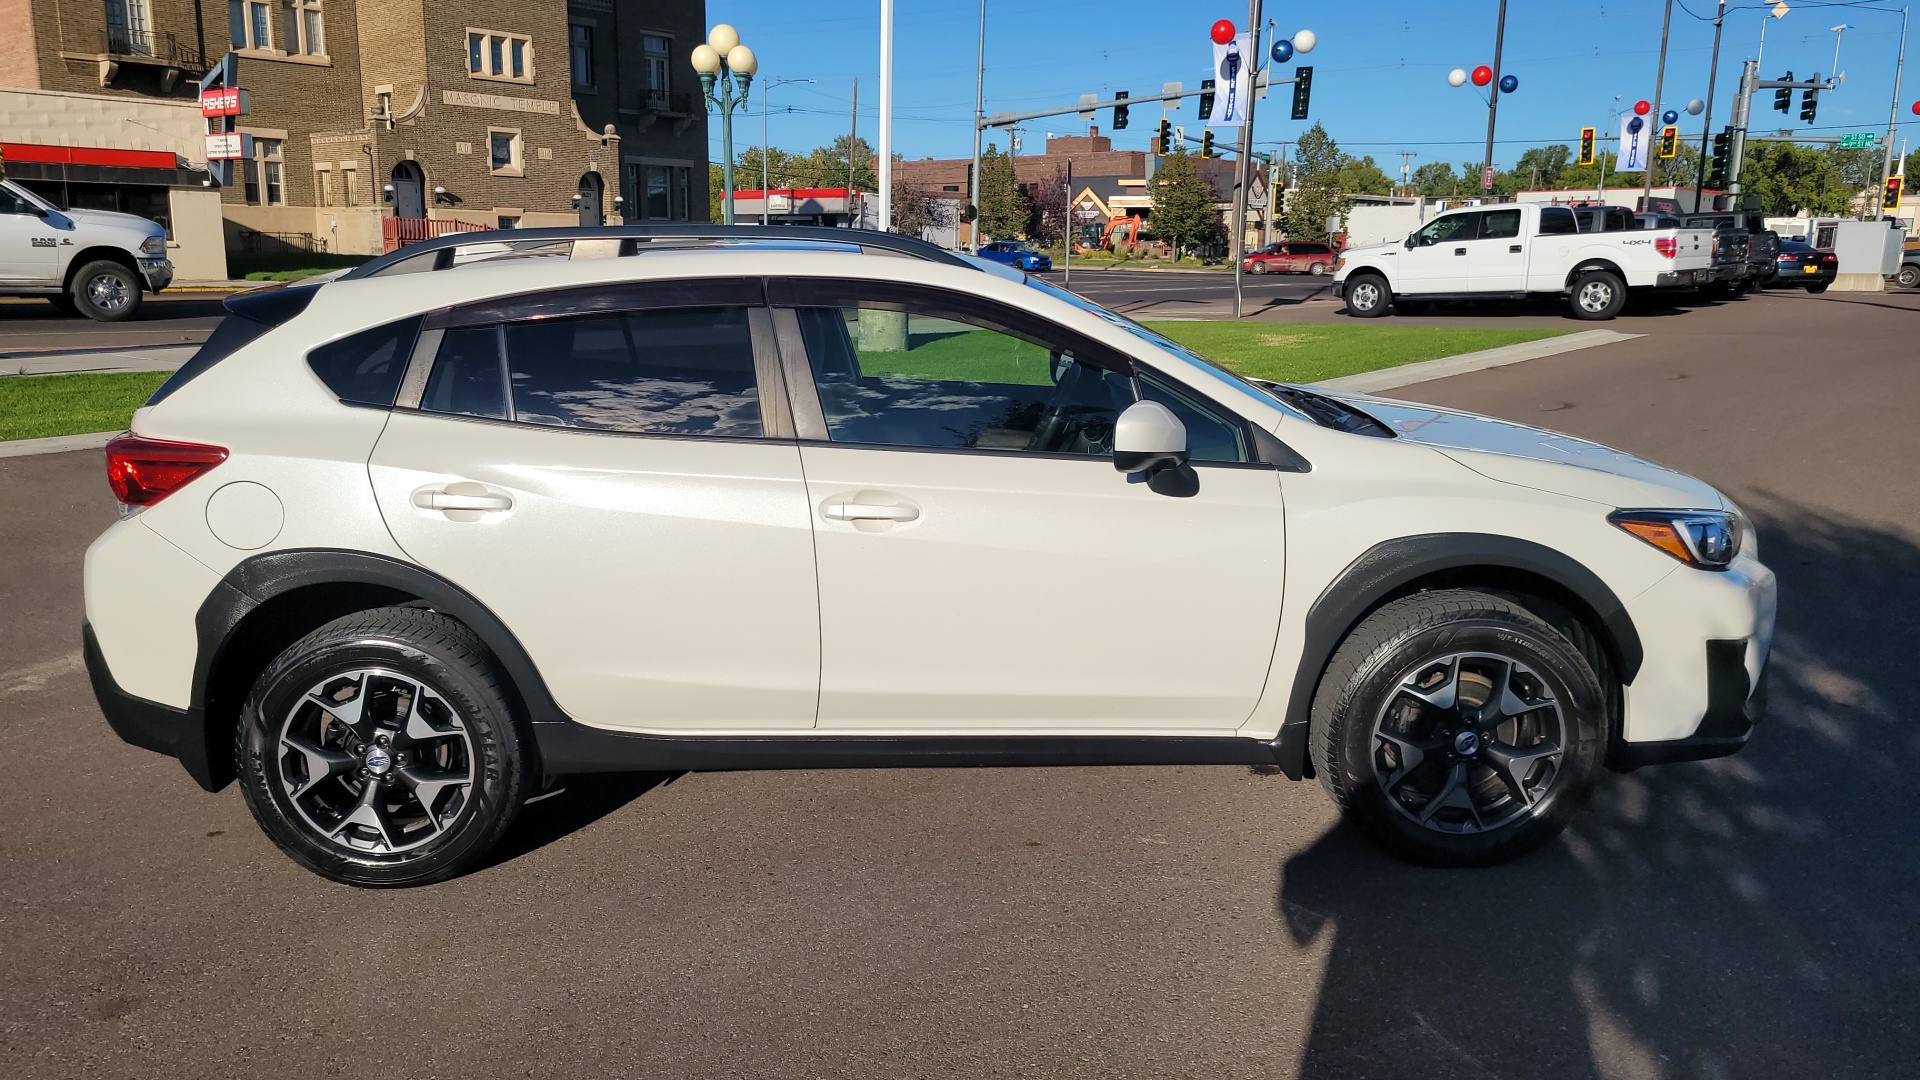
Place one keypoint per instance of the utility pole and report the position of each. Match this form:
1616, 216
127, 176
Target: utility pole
1246, 151
1493, 100
853, 140
1893, 121
1742, 106
1706, 130
979, 117
886, 117
1406, 170
1659, 87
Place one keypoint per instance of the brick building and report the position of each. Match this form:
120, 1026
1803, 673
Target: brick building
373, 119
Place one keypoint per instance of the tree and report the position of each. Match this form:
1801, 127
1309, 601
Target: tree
1360, 176
915, 211
1047, 201
1541, 166
1435, 178
1317, 193
1183, 212
1003, 206
1788, 178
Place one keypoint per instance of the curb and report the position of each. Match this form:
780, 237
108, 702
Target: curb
59, 444
1368, 382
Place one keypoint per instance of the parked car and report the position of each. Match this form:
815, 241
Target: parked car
1016, 254
1292, 257
1908, 276
1519, 251
1747, 248
95, 262
399, 550
1803, 266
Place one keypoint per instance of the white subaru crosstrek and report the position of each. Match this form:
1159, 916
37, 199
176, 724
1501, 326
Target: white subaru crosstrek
402, 549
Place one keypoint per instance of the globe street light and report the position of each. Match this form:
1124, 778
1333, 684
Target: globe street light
721, 56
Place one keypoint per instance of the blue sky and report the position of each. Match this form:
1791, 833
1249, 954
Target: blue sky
1379, 69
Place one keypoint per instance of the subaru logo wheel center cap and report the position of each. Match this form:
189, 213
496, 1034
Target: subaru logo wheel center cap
379, 761
1466, 743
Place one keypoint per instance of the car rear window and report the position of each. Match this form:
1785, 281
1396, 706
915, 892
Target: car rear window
366, 368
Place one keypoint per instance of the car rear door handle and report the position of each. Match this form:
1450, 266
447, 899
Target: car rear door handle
868, 512
1515, 248
462, 495
1459, 251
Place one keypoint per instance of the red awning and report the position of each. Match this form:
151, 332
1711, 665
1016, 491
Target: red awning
88, 155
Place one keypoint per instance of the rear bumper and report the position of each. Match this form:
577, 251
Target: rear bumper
1681, 279
177, 733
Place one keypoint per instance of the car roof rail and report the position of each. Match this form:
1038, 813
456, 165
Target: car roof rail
438, 253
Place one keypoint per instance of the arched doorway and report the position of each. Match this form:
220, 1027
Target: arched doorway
409, 190
591, 189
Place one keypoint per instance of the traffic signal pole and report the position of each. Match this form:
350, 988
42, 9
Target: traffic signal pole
1737, 151
1493, 99
979, 122
1246, 147
1659, 87
1706, 129
1893, 121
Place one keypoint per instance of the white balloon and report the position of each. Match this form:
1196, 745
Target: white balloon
723, 38
1696, 107
1457, 77
1304, 41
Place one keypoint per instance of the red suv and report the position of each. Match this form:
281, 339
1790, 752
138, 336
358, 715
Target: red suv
1298, 257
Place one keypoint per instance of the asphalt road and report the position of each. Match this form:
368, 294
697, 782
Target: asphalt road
31, 325
1753, 917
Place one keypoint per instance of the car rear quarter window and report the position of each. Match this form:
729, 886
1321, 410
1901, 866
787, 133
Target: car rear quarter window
1499, 224
1557, 221
672, 372
366, 368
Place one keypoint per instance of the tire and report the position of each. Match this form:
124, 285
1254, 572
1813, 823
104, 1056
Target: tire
1908, 277
471, 762
1819, 288
1368, 296
63, 304
1425, 781
1317, 269
105, 291
1258, 268
1598, 294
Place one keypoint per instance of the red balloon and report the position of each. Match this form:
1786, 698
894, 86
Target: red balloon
1223, 31
1916, 108
1482, 75
1642, 108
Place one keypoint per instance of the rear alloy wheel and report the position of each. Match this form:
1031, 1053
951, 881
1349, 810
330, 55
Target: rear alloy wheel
1458, 728
380, 750
105, 291
1908, 277
1368, 296
1598, 294
1257, 268
1317, 269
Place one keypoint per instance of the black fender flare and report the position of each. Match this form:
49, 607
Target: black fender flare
1386, 571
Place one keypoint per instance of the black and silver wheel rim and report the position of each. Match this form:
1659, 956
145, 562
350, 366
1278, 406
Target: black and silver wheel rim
1469, 743
1365, 296
1595, 296
108, 292
375, 762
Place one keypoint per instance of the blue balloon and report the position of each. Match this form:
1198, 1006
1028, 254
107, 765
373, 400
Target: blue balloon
1282, 51
1669, 117
1508, 84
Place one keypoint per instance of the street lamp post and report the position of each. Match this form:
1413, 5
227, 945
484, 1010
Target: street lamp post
766, 89
723, 61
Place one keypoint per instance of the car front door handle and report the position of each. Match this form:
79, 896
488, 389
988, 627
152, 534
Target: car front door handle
868, 512
1459, 251
1514, 248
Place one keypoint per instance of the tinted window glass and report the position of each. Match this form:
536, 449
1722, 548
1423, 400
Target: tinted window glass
1499, 224
1453, 227
1557, 221
892, 377
366, 368
467, 375
679, 372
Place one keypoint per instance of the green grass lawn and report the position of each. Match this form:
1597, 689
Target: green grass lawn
42, 406
287, 265
1295, 352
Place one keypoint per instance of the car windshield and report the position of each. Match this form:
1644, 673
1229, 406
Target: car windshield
1160, 341
1794, 247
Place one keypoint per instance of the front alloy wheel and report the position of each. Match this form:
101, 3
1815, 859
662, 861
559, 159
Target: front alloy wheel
1368, 297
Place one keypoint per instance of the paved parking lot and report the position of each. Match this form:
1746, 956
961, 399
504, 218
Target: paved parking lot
1753, 917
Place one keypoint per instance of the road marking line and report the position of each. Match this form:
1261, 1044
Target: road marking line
1369, 382
35, 677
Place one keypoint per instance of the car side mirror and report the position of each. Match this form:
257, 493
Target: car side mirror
1150, 442
1413, 241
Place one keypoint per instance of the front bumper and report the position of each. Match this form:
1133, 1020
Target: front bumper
158, 272
1735, 706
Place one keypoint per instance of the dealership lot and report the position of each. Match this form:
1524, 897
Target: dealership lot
1747, 917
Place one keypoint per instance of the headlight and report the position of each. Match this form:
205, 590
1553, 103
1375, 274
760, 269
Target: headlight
154, 245
1707, 539
1339, 264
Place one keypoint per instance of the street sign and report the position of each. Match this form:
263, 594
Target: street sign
229, 147
1857, 140
226, 101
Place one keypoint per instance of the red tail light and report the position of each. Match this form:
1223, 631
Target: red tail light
1827, 258
1666, 245
144, 471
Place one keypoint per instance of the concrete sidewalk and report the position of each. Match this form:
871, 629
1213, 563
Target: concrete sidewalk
76, 361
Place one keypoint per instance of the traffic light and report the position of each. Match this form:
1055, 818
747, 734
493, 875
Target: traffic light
1302, 91
1783, 96
1722, 150
1891, 199
1206, 143
1669, 141
1206, 99
1810, 101
1586, 146
1120, 112
1163, 142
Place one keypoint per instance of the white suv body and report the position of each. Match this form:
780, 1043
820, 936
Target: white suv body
772, 504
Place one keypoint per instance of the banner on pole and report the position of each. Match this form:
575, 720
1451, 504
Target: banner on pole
1636, 144
1233, 67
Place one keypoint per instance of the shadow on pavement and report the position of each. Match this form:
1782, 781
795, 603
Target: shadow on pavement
585, 799
1753, 916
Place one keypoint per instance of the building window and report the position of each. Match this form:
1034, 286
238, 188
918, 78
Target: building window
656, 50
580, 49
301, 26
129, 28
350, 186
507, 221
494, 55
322, 188
261, 174
682, 193
504, 153
249, 24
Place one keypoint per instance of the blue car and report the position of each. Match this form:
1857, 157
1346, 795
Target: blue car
1015, 253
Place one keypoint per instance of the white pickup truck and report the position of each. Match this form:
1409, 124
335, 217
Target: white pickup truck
95, 262
1516, 251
